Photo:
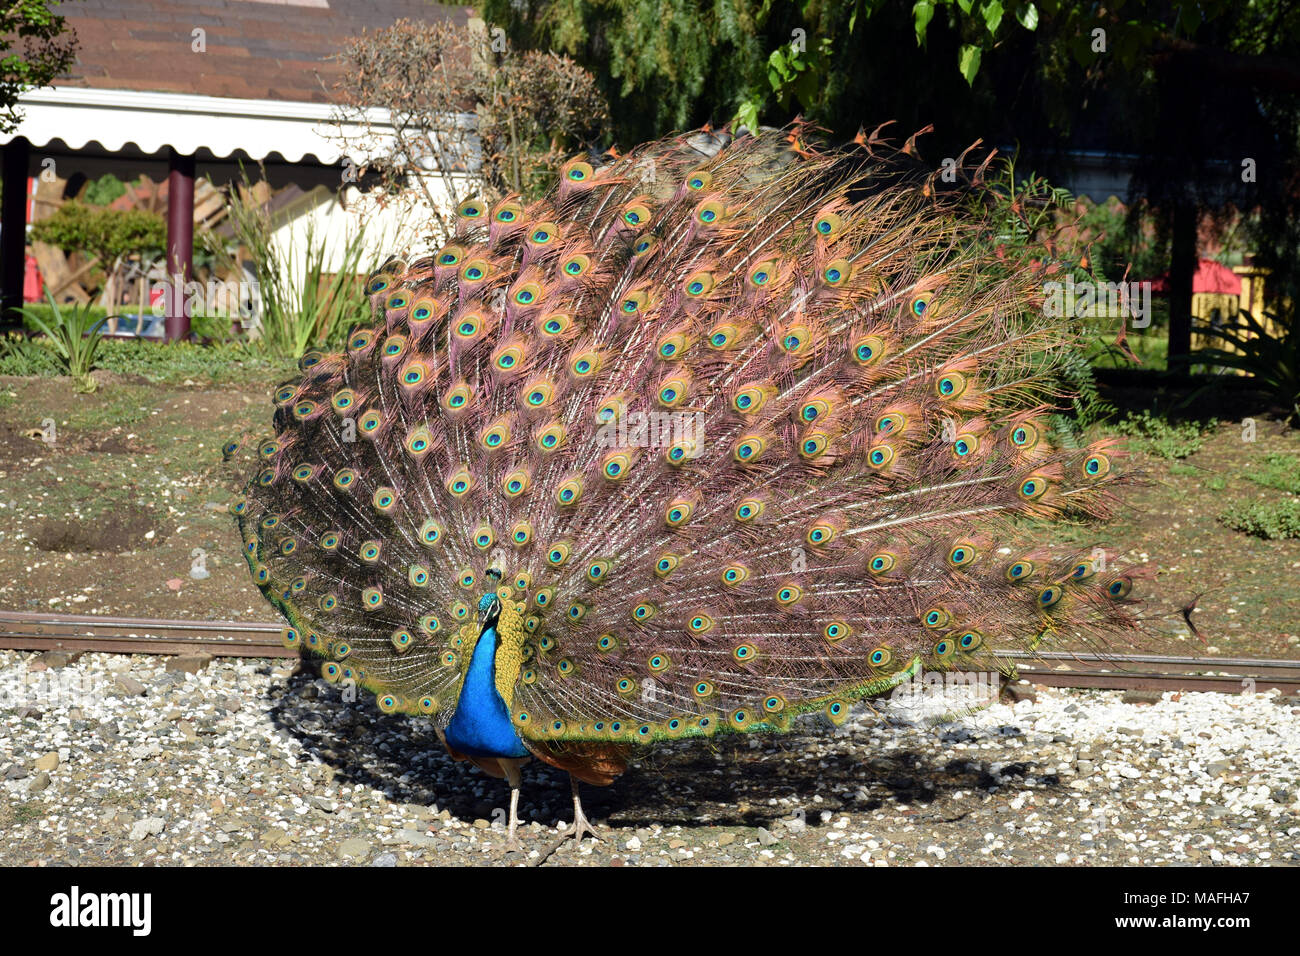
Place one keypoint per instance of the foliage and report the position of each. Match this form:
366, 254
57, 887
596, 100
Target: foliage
1276, 519
304, 305
20, 355
48, 49
1277, 470
1158, 436
1030, 224
75, 338
530, 111
102, 191
1271, 358
101, 232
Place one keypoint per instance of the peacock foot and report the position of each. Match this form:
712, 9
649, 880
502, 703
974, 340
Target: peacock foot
581, 826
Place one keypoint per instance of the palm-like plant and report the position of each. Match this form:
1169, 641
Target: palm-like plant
1271, 357
76, 334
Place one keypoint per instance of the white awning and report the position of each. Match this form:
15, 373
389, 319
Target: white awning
115, 120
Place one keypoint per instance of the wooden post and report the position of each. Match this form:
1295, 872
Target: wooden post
180, 244
13, 231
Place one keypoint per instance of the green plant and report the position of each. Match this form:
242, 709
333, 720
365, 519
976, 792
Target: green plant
304, 304
1273, 360
1158, 436
110, 235
20, 355
76, 338
1277, 470
1264, 519
102, 191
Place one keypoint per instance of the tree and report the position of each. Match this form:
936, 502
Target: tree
107, 234
49, 48
1193, 87
466, 111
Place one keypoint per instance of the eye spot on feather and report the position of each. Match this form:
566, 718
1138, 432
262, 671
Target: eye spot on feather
936, 618
836, 631
1050, 596
1019, 570
1096, 466
1120, 587
734, 575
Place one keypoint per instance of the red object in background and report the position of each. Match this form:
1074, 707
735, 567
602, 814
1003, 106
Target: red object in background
1210, 277
33, 284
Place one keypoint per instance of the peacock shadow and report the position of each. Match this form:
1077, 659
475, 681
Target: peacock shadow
727, 781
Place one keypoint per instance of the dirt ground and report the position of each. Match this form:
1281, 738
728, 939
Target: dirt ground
113, 514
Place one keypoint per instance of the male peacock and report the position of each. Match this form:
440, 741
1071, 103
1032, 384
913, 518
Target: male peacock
720, 433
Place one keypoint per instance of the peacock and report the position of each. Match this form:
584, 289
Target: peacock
725, 430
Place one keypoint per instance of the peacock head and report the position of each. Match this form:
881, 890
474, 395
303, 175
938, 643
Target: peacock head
489, 605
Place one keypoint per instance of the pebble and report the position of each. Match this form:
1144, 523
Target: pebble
251, 762
150, 826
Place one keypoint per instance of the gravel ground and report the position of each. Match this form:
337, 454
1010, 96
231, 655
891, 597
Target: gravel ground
108, 759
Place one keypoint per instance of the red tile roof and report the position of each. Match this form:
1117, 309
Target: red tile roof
256, 49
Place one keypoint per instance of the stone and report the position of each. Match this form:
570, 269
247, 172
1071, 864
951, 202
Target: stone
49, 761
766, 838
42, 780
1017, 692
1142, 697
60, 658
633, 844
726, 839
188, 663
353, 848
385, 859
150, 826
128, 686
1217, 768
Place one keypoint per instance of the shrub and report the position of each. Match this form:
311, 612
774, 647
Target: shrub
1265, 519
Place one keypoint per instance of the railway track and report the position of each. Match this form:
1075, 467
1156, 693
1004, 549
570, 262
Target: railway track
42, 632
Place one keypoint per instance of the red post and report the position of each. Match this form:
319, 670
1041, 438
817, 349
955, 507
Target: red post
180, 244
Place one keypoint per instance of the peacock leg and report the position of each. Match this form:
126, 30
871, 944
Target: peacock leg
515, 779
581, 826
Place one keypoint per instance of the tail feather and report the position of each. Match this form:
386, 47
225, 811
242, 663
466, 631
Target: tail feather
746, 430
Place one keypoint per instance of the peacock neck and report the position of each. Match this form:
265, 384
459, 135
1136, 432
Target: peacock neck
481, 725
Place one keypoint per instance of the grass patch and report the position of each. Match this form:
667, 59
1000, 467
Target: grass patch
1277, 470
1273, 520
1164, 439
120, 406
178, 362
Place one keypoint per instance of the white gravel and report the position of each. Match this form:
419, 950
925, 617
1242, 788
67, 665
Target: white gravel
248, 762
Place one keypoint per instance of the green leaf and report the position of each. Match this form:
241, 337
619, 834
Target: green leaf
993, 12
1028, 17
968, 61
747, 114
965, 5
922, 12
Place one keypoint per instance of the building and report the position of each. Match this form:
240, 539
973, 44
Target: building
186, 90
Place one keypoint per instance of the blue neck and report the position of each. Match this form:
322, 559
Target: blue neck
481, 726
